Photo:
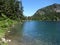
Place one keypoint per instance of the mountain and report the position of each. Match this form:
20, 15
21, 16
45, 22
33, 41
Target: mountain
51, 12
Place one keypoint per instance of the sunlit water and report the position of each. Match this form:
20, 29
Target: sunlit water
36, 33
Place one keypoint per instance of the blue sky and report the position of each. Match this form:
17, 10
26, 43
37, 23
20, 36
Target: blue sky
31, 6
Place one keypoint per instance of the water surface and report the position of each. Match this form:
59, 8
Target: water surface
36, 33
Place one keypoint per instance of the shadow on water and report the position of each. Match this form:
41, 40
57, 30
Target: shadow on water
35, 33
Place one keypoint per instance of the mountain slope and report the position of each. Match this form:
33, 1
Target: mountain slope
51, 12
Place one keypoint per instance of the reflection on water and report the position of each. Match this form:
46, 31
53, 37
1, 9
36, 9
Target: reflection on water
36, 33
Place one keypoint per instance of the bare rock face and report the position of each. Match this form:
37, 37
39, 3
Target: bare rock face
57, 9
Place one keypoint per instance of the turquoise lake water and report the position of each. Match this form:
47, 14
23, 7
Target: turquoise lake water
36, 33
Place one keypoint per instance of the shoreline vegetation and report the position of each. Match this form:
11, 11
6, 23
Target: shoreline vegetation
5, 27
11, 13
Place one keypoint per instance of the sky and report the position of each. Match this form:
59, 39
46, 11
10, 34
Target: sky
31, 6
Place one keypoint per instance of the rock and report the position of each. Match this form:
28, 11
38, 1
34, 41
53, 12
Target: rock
9, 40
4, 40
8, 31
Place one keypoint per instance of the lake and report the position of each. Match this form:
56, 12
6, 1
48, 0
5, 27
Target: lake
35, 33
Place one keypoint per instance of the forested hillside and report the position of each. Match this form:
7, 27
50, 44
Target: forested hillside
49, 13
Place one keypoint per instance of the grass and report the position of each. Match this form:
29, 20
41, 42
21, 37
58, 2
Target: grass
4, 26
3, 44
